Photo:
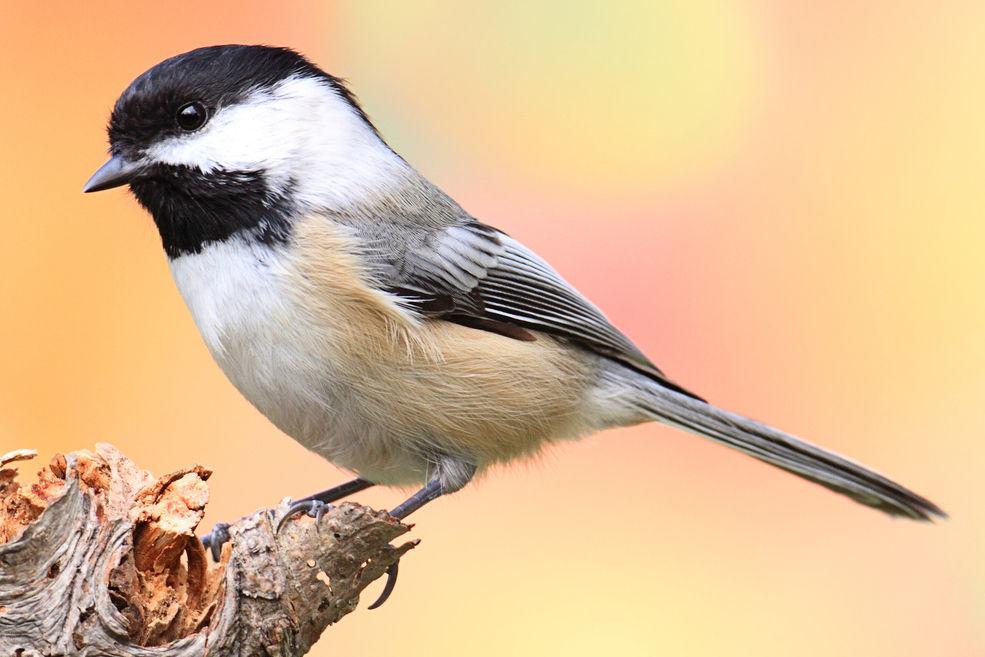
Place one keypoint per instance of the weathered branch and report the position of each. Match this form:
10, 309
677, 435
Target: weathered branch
100, 558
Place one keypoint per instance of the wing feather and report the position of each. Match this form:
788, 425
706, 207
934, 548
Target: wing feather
475, 275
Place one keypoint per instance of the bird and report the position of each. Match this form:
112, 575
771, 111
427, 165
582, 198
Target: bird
369, 316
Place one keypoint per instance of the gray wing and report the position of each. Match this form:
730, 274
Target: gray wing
475, 275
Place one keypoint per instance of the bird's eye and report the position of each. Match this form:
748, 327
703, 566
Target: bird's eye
191, 116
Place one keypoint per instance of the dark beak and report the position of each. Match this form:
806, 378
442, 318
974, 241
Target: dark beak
118, 171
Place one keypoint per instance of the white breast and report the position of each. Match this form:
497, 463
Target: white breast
235, 294
255, 331
230, 287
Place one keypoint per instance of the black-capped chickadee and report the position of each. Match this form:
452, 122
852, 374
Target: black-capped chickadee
366, 313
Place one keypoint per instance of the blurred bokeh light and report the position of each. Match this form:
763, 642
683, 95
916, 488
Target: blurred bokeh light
780, 202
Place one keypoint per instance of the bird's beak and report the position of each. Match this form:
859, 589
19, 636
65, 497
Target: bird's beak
118, 171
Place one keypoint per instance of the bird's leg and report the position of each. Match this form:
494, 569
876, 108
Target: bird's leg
338, 492
429, 493
451, 474
448, 474
313, 504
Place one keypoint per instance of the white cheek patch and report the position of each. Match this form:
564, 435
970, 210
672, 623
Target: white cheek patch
257, 134
301, 134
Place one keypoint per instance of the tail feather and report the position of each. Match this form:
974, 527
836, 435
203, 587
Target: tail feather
787, 452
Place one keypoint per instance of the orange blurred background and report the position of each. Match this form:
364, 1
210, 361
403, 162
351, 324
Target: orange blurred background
780, 202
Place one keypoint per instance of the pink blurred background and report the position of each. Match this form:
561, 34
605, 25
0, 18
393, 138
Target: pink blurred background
780, 202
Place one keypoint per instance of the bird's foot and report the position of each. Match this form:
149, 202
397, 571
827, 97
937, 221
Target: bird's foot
312, 508
316, 509
215, 539
219, 535
391, 583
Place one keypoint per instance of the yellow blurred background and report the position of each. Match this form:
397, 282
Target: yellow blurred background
780, 202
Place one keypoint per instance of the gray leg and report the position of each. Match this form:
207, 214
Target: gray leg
450, 474
430, 492
338, 492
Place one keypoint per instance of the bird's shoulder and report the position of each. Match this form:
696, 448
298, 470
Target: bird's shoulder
444, 264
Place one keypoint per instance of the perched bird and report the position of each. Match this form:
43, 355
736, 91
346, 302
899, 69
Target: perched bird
368, 315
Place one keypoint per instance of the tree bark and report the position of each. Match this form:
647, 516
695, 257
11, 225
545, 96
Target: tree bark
101, 558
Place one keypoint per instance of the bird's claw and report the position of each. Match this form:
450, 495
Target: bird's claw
316, 509
215, 539
391, 583
219, 536
313, 508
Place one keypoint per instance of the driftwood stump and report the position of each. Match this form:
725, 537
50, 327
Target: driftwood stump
101, 558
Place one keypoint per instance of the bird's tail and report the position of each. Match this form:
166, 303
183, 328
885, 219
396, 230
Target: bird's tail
785, 451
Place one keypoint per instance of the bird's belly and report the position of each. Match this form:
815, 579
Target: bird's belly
343, 376
266, 346
305, 399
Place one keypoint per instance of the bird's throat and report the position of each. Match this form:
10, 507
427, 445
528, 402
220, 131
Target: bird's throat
193, 209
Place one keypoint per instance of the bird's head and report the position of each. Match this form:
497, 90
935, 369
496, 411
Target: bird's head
227, 138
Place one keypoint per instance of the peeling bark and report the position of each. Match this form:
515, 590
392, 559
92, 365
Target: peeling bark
99, 557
